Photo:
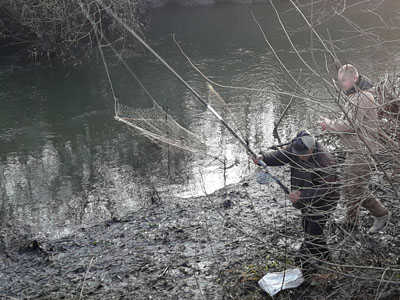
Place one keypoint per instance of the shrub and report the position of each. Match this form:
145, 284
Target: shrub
44, 29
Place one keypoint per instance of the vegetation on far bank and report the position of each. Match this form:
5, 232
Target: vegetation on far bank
59, 30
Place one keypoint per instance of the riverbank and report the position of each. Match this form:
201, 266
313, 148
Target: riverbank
213, 247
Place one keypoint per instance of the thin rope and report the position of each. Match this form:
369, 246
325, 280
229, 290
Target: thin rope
107, 72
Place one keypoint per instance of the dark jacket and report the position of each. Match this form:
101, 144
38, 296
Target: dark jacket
316, 177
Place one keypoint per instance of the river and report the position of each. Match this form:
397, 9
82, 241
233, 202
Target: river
65, 161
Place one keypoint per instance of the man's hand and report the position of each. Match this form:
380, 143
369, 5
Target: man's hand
295, 196
259, 157
323, 122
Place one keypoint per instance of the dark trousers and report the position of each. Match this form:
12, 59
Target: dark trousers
314, 243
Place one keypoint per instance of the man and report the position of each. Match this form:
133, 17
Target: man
313, 191
358, 131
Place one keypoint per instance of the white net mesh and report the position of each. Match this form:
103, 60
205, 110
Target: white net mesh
156, 124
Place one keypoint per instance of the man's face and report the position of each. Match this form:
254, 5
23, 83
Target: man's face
346, 80
307, 155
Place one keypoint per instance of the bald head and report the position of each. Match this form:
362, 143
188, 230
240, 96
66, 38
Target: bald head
349, 69
347, 76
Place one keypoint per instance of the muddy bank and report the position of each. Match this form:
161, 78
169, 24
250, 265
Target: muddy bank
213, 247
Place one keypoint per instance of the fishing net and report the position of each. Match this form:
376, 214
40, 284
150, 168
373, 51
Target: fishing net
157, 125
154, 123
160, 127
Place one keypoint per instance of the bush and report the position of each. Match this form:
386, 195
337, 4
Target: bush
44, 29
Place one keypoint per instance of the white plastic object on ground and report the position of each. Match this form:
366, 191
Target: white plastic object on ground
272, 282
